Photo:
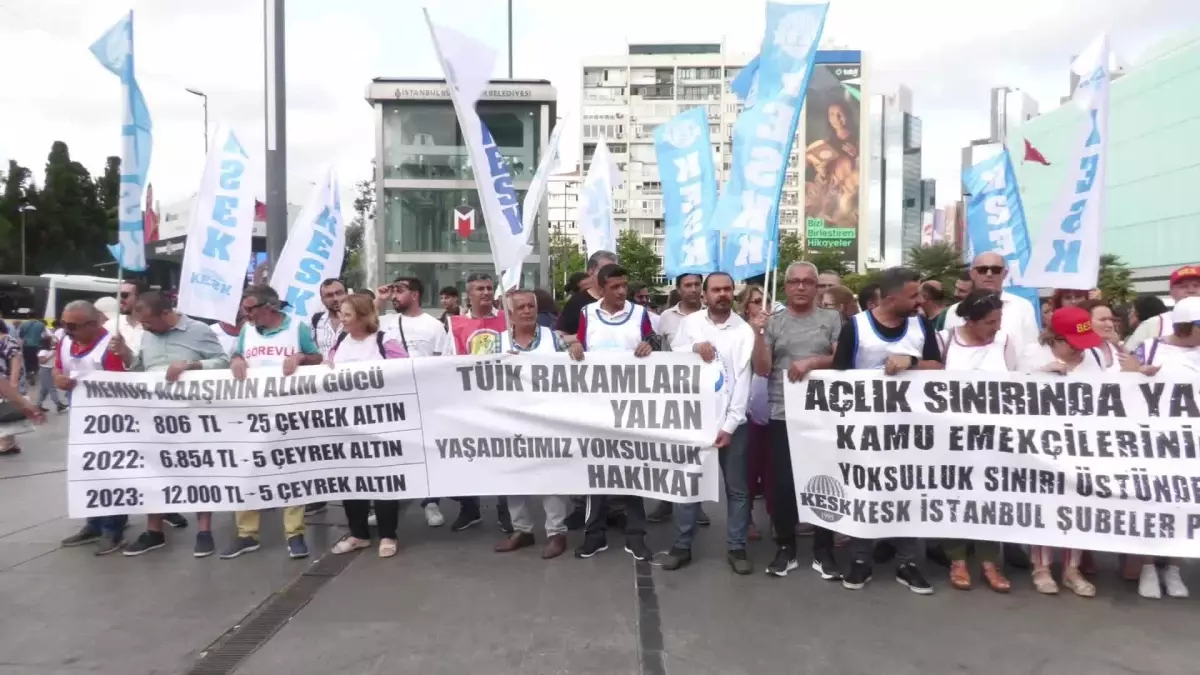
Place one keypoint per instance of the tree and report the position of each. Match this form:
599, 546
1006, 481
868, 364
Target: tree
941, 261
1116, 280
354, 264
638, 258
71, 233
108, 193
856, 282
827, 261
565, 259
17, 185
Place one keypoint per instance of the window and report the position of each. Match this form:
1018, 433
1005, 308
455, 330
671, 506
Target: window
424, 221
424, 141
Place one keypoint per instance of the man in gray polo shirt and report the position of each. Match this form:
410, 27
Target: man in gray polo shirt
174, 344
790, 344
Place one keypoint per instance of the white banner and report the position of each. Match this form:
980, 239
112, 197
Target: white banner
511, 278
220, 234
1067, 251
314, 250
1108, 463
402, 429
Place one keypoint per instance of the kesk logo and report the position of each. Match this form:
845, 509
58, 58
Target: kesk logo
825, 496
683, 134
796, 34
211, 283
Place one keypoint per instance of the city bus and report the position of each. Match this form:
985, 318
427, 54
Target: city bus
29, 297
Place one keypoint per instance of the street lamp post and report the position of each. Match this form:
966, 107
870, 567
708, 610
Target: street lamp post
196, 92
23, 208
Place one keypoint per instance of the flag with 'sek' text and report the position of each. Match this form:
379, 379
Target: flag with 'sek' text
1067, 251
468, 65
689, 182
747, 211
314, 250
220, 233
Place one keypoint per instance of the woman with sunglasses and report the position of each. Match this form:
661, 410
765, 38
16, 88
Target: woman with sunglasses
361, 340
1070, 347
978, 344
758, 415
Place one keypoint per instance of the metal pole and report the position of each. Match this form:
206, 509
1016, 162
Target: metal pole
206, 124
22, 242
510, 41
276, 127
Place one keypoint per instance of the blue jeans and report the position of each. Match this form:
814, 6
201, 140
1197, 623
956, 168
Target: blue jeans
110, 527
733, 460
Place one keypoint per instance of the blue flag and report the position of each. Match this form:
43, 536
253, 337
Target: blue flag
747, 210
996, 221
743, 84
689, 188
114, 50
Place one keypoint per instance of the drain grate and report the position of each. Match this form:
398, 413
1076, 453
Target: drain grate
649, 623
253, 631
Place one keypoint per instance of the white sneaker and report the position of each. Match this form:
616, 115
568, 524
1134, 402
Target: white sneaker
433, 515
1148, 586
1174, 583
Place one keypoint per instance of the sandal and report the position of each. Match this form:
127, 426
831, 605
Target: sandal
387, 548
1043, 581
960, 576
1073, 579
348, 544
995, 579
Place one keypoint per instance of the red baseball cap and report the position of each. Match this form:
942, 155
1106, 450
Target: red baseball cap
1184, 273
1074, 325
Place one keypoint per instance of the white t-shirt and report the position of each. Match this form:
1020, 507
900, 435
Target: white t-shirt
353, 351
132, 334
1037, 358
1018, 321
733, 342
998, 356
46, 362
228, 342
423, 335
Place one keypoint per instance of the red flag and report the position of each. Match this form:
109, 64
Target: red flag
1032, 154
260, 211
149, 217
464, 220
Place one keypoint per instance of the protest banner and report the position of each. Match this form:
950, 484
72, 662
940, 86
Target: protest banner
401, 429
1107, 463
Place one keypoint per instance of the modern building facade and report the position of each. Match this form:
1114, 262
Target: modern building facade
895, 178
562, 206
1150, 219
626, 96
424, 182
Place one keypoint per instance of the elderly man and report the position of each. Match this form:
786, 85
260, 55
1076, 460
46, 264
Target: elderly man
85, 349
172, 344
1018, 319
270, 338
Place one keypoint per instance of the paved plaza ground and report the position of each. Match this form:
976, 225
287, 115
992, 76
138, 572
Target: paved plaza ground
449, 605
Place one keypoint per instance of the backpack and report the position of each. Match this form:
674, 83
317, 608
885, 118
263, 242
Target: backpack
378, 343
316, 319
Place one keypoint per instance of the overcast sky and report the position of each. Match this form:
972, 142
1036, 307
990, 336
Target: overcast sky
949, 52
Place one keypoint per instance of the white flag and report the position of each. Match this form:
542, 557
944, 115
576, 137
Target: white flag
511, 277
1067, 251
468, 66
595, 203
217, 254
315, 247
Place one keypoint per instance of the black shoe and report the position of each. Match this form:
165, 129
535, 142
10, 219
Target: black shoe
205, 546
12, 450
591, 546
826, 565
62, 408
675, 558
175, 520
576, 520
702, 518
910, 575
464, 520
784, 562
82, 537
110, 545
739, 562
1016, 557
314, 508
660, 513
636, 547
860, 574
146, 542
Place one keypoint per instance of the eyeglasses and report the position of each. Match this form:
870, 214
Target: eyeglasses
71, 325
992, 299
995, 270
251, 308
125, 295
801, 282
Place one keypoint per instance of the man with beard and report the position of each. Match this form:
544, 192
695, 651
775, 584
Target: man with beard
892, 337
717, 333
449, 299
325, 328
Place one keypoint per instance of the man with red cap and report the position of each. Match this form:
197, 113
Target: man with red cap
1185, 283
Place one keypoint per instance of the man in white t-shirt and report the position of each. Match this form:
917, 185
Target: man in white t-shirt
1018, 318
420, 333
1185, 283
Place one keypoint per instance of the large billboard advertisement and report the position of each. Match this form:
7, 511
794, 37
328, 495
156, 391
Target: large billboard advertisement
831, 173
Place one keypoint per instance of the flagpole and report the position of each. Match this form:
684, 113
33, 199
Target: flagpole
771, 278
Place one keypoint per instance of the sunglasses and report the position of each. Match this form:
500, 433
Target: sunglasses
125, 295
71, 325
251, 308
995, 270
